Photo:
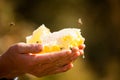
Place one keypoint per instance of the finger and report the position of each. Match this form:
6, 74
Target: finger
81, 52
64, 68
26, 48
53, 57
82, 46
62, 58
60, 55
58, 69
76, 52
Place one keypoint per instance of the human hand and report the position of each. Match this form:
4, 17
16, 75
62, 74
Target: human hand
21, 58
57, 62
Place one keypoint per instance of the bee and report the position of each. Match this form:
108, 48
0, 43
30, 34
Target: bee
12, 24
80, 21
37, 42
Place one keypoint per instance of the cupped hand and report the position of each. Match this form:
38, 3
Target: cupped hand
19, 59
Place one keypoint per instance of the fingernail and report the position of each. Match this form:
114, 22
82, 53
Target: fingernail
82, 46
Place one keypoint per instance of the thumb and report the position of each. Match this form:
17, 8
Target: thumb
26, 48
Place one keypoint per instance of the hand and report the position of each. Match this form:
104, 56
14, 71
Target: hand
21, 58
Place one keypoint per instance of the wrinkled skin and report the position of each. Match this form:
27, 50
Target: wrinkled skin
21, 58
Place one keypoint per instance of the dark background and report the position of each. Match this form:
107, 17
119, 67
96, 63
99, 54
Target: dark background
101, 25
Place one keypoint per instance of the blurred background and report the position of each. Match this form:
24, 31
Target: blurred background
100, 27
